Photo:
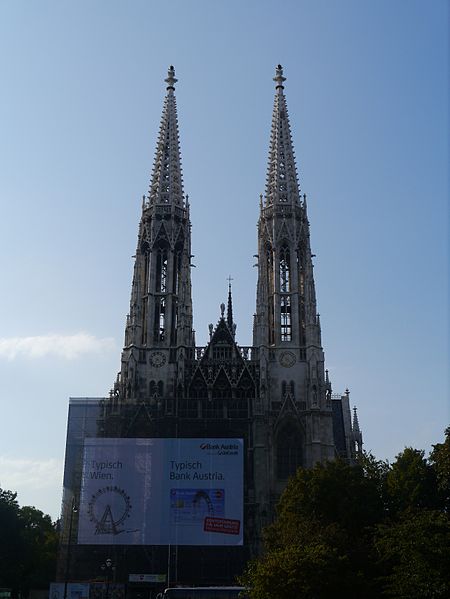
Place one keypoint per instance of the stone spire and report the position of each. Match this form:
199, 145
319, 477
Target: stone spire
159, 325
356, 432
230, 308
355, 425
167, 185
287, 326
286, 301
282, 185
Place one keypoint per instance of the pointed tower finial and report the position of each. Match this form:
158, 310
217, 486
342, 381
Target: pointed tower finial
279, 79
230, 306
355, 426
171, 79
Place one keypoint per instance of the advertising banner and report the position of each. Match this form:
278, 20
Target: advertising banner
161, 492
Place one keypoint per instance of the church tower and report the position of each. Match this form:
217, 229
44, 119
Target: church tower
293, 420
159, 324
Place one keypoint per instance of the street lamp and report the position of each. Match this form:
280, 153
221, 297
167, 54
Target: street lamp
109, 568
73, 510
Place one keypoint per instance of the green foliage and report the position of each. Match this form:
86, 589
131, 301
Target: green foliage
28, 545
367, 530
416, 554
411, 482
440, 459
320, 541
306, 570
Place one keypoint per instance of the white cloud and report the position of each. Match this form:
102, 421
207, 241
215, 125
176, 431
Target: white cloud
27, 473
37, 482
69, 347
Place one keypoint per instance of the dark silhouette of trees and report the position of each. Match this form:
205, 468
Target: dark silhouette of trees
28, 545
365, 530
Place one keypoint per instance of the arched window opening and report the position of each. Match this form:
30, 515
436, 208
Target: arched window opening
199, 390
285, 270
221, 389
160, 320
174, 321
285, 313
289, 455
269, 259
271, 321
145, 250
270, 284
161, 270
177, 271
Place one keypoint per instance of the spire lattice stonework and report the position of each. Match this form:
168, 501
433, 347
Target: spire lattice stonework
282, 185
167, 183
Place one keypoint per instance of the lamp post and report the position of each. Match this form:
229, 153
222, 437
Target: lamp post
73, 510
109, 568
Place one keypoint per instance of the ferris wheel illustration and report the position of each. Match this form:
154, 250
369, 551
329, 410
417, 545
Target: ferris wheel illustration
108, 510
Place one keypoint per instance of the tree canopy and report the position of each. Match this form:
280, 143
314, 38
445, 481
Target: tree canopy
370, 529
28, 545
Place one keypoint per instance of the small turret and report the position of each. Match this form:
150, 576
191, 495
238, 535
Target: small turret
230, 322
357, 435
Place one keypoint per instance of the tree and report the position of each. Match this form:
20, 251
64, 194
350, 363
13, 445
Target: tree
440, 461
415, 552
367, 530
28, 545
41, 542
321, 542
300, 570
11, 541
411, 482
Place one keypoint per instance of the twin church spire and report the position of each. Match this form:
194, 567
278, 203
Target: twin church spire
276, 393
160, 318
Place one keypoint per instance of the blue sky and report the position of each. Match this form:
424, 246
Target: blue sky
82, 92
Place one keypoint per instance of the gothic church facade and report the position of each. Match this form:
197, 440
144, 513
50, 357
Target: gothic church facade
275, 395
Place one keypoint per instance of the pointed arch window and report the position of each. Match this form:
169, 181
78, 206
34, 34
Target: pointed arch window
161, 269
270, 285
285, 270
160, 320
269, 258
145, 251
285, 288
174, 321
285, 314
177, 270
289, 455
